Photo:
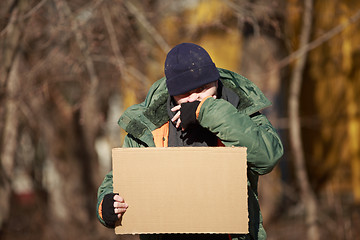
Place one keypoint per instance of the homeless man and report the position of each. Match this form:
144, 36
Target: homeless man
198, 104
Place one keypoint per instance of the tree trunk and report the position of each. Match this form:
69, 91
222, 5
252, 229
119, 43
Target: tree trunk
307, 195
262, 50
9, 80
9, 139
67, 169
70, 134
262, 53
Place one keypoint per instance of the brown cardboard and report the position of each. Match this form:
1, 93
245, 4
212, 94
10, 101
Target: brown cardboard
182, 190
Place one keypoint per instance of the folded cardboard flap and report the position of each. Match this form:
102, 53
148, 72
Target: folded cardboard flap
182, 189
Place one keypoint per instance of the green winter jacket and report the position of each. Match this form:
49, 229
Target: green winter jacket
233, 126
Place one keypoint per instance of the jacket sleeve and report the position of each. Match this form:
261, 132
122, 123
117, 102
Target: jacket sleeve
107, 184
105, 188
233, 128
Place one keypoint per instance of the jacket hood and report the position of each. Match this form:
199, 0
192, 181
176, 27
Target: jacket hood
251, 97
141, 119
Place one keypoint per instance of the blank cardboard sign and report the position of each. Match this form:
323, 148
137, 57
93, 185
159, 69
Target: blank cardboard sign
182, 190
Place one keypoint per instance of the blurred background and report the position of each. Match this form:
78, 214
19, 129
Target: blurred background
69, 68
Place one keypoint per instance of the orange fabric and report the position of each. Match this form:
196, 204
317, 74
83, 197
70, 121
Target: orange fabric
199, 107
100, 209
161, 135
161, 139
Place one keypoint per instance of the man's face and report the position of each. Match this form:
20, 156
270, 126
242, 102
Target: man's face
198, 94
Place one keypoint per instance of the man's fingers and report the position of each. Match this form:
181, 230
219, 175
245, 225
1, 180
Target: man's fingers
118, 198
176, 108
178, 123
119, 210
176, 117
120, 205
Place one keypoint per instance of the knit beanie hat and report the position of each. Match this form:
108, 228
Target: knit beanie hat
187, 67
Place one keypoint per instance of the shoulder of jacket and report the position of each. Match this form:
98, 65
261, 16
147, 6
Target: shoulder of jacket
141, 119
252, 99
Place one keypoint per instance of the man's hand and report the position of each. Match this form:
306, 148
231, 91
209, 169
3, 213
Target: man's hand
186, 115
187, 105
120, 205
113, 207
176, 118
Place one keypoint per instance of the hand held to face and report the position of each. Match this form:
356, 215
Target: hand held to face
176, 118
186, 114
188, 103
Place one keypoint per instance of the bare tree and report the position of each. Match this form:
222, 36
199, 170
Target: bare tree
10, 84
307, 194
57, 75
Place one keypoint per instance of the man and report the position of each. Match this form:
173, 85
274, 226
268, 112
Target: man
198, 104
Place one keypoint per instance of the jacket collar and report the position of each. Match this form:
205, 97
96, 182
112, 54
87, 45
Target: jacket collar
141, 119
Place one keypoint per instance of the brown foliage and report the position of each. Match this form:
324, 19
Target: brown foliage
68, 67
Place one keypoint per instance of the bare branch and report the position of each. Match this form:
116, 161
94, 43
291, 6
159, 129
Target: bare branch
320, 40
132, 70
11, 42
244, 13
148, 26
307, 194
119, 58
114, 42
27, 15
65, 9
312, 45
9, 138
34, 9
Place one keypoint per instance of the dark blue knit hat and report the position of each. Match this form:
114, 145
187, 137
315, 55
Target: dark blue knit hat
187, 67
